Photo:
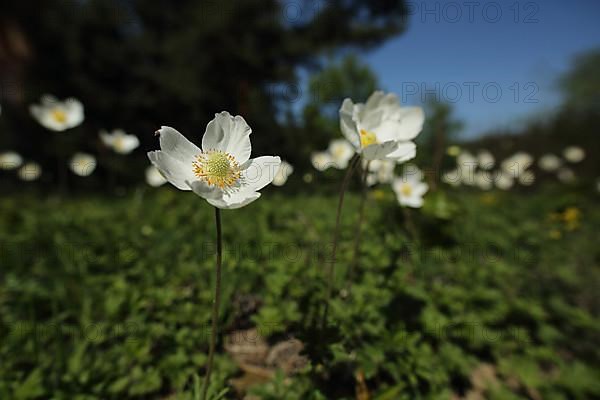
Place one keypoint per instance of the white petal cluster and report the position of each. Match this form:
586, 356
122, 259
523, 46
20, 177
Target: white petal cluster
119, 141
549, 162
83, 164
10, 160
284, 172
410, 188
574, 154
221, 171
380, 171
30, 171
58, 115
381, 128
338, 155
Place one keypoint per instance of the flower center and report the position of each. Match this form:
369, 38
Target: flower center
367, 138
217, 168
119, 143
59, 116
406, 190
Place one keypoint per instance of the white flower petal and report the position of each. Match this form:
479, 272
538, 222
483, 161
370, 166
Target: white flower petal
234, 201
405, 151
259, 172
176, 172
177, 146
206, 191
228, 134
379, 150
74, 112
348, 123
321, 161
154, 177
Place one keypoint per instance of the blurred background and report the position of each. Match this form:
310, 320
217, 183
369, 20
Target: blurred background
97, 245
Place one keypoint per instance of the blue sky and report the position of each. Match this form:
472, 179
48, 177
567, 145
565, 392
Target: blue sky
498, 66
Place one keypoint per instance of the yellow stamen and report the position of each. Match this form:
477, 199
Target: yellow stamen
59, 116
217, 168
367, 138
406, 189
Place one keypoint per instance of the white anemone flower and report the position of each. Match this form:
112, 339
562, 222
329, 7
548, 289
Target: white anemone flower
58, 115
30, 171
566, 175
83, 164
221, 172
452, 178
485, 159
574, 154
10, 160
549, 162
282, 175
381, 128
153, 177
504, 180
321, 160
517, 163
341, 151
410, 188
527, 178
483, 180
119, 141
467, 164
380, 171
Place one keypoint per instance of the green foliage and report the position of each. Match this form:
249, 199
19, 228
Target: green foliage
581, 84
110, 298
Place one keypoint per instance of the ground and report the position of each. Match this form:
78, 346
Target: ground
478, 295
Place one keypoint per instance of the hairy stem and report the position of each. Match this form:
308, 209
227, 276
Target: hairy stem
358, 234
336, 235
215, 308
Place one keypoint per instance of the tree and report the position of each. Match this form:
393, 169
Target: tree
137, 64
581, 85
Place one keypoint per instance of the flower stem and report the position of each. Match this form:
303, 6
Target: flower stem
358, 235
216, 303
336, 234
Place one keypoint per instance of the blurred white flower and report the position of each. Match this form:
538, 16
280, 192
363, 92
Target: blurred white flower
527, 178
517, 163
57, 115
221, 172
154, 178
282, 175
10, 160
341, 151
452, 178
484, 180
485, 159
566, 175
549, 162
83, 164
381, 128
31, 171
380, 171
119, 141
321, 160
410, 188
574, 154
504, 180
466, 160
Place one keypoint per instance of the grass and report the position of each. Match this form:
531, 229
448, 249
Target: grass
492, 295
